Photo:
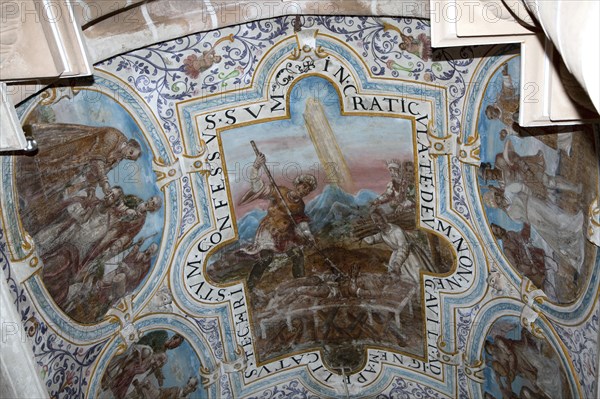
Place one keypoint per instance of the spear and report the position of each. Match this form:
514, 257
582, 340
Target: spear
289, 213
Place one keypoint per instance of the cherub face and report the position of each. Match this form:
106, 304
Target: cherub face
163, 299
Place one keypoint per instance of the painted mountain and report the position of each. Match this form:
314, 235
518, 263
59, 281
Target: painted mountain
248, 225
333, 204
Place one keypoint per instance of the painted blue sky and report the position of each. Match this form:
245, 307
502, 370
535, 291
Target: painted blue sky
492, 145
183, 363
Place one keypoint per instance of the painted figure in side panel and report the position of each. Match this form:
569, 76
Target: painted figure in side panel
81, 243
140, 369
83, 224
560, 230
533, 261
510, 167
71, 158
527, 365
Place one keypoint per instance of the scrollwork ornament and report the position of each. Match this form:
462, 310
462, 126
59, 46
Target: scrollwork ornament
533, 297
123, 314
285, 76
406, 389
458, 191
582, 346
530, 294
475, 371
224, 368
454, 358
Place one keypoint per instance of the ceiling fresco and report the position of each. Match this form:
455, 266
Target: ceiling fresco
314, 207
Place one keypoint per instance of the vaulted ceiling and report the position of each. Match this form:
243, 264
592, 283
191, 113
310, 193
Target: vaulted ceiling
308, 206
